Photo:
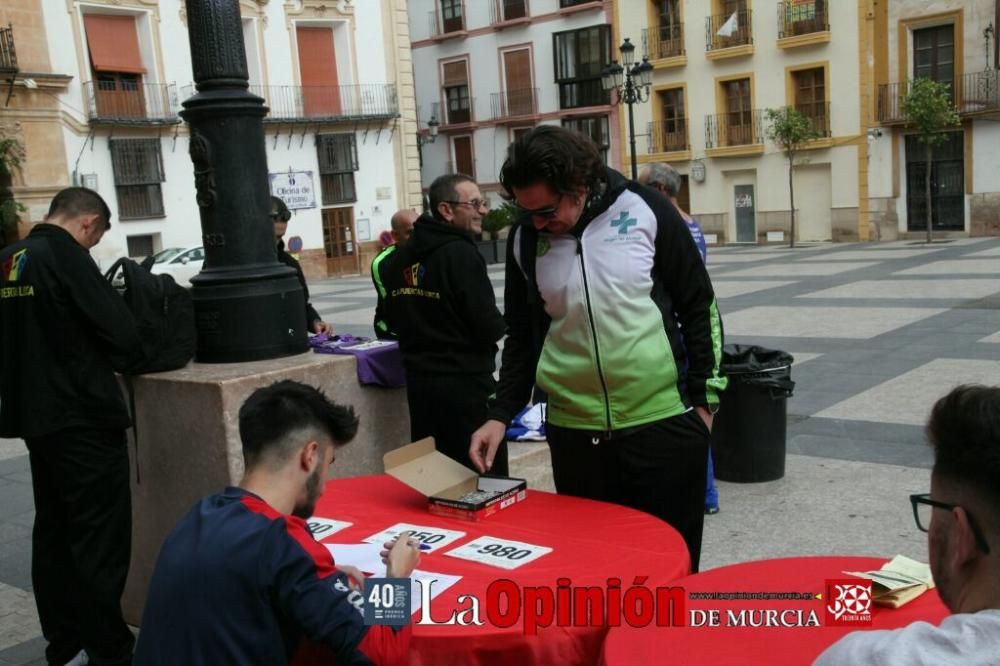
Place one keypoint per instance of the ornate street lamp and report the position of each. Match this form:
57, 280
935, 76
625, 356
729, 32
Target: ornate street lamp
630, 84
248, 306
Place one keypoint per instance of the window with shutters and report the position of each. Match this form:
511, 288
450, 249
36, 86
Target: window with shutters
138, 170
810, 97
338, 160
580, 55
455, 81
451, 15
140, 247
595, 127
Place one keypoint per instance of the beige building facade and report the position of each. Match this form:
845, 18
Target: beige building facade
953, 42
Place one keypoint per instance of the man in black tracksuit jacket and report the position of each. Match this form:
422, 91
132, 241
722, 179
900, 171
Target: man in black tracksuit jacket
63, 333
440, 303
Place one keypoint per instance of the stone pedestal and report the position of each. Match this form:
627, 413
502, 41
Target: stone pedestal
189, 444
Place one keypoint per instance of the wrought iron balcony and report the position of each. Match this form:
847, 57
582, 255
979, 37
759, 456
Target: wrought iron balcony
8, 56
665, 41
123, 102
818, 114
458, 113
369, 101
445, 28
739, 128
514, 104
742, 35
506, 11
802, 18
668, 136
975, 93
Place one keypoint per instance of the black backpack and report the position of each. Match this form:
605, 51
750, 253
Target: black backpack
164, 315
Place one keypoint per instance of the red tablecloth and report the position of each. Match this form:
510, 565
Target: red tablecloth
591, 541
775, 646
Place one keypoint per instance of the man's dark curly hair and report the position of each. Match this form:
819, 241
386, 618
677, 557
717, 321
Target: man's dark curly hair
564, 159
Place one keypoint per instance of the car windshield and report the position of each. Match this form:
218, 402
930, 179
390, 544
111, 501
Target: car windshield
164, 256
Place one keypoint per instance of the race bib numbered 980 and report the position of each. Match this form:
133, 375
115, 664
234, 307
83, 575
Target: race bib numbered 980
431, 538
321, 528
498, 552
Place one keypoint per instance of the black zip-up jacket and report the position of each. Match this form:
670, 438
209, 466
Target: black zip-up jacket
64, 331
440, 303
311, 315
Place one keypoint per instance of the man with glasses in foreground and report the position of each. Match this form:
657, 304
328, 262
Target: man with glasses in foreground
601, 271
961, 516
438, 300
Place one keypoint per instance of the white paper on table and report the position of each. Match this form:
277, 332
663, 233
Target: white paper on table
322, 528
497, 552
433, 537
365, 556
441, 583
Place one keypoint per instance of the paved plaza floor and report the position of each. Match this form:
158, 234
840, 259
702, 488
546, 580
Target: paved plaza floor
879, 331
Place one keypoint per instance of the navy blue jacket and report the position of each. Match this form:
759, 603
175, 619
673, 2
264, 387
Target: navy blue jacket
237, 582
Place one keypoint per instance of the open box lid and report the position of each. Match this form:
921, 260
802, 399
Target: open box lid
425, 469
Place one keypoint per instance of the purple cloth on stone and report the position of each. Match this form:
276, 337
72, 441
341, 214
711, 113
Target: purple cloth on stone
379, 361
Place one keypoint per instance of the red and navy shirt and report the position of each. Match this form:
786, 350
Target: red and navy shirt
237, 582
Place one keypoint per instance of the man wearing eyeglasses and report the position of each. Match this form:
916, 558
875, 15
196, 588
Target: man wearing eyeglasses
961, 516
601, 274
439, 302
279, 217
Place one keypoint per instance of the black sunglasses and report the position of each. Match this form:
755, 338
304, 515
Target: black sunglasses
925, 499
547, 213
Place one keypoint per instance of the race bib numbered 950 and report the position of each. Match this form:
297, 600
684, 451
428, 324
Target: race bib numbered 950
432, 538
498, 552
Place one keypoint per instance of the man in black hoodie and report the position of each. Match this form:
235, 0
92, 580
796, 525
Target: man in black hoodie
440, 303
63, 334
279, 217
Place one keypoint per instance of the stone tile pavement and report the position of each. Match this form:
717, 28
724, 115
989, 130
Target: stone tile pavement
878, 330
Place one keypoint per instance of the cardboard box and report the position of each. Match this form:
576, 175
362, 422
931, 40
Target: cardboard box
422, 467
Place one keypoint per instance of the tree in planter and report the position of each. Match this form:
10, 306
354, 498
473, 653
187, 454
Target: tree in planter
10, 209
790, 129
928, 108
499, 218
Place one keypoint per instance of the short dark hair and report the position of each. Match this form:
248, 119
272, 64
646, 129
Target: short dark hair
75, 201
274, 418
443, 189
565, 159
964, 429
278, 206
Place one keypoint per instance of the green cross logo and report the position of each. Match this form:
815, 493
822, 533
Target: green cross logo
623, 223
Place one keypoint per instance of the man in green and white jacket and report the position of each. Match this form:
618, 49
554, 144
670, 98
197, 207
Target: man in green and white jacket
601, 275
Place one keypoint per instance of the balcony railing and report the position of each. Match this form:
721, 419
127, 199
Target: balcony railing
743, 128
127, 103
456, 113
818, 114
502, 11
513, 104
665, 41
441, 26
802, 18
742, 35
8, 56
668, 136
370, 101
974, 93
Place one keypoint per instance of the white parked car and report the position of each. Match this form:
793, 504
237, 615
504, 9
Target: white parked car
182, 263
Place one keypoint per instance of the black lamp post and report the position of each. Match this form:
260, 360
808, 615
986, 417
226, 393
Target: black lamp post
427, 136
248, 306
630, 85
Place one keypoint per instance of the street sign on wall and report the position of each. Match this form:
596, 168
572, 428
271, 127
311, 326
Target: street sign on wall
295, 188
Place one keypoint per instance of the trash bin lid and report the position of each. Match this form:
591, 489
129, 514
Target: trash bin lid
743, 359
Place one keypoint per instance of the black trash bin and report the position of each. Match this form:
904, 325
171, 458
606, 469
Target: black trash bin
748, 434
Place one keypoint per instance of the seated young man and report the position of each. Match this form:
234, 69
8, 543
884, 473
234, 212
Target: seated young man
961, 516
241, 580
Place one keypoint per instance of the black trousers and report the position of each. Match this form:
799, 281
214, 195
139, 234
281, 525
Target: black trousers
450, 408
659, 469
81, 543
